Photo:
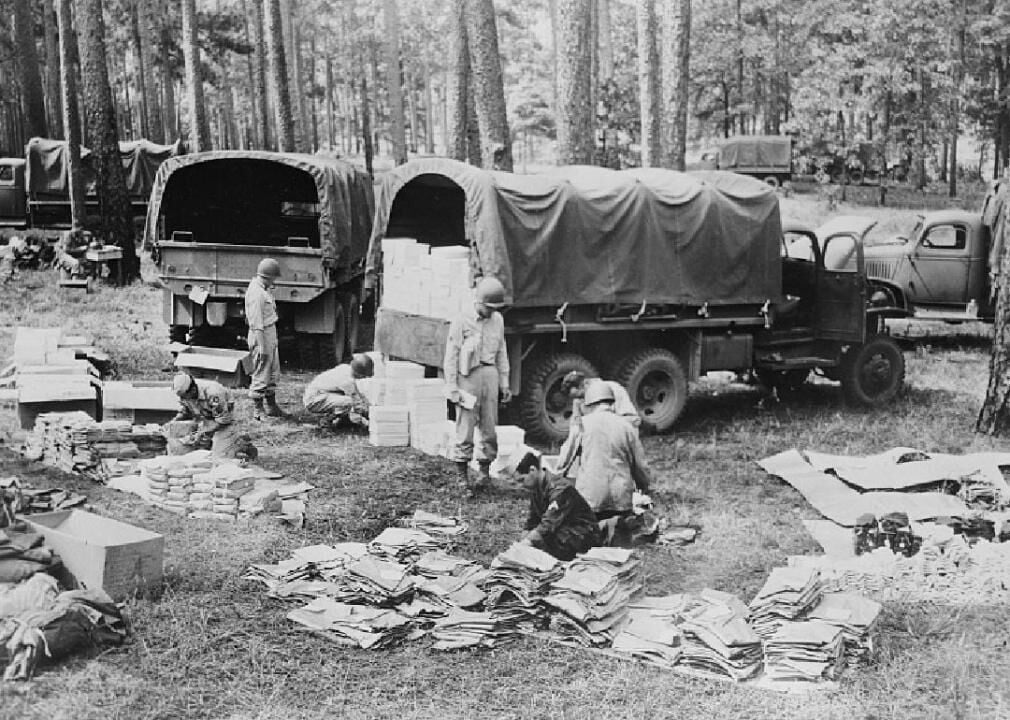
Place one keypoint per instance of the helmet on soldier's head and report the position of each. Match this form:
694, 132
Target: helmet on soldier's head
362, 366
181, 383
599, 392
490, 292
269, 268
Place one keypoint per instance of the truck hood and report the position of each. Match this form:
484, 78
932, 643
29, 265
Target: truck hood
882, 261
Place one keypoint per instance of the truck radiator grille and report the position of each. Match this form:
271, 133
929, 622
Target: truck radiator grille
883, 269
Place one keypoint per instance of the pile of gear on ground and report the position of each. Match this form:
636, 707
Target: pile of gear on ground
406, 584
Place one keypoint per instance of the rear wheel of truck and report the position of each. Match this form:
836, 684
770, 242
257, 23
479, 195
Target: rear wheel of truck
872, 374
772, 180
657, 383
545, 409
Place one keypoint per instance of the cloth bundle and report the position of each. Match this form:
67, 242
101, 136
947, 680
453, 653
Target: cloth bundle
443, 530
804, 650
856, 616
464, 629
402, 544
520, 577
74, 442
192, 484
788, 593
718, 639
366, 627
653, 638
22, 554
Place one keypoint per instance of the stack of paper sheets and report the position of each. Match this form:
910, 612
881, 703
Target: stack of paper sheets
389, 425
443, 529
856, 616
428, 410
520, 578
650, 637
366, 627
423, 280
593, 596
402, 544
788, 593
718, 639
804, 650
464, 629
378, 582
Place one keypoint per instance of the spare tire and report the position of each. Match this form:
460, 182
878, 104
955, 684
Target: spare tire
657, 383
544, 408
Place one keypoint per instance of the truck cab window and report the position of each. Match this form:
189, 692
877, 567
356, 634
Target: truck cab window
6, 174
945, 237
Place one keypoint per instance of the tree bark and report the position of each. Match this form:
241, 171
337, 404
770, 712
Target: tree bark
261, 109
199, 130
138, 63
366, 126
148, 32
330, 136
488, 89
394, 80
71, 113
457, 85
279, 76
32, 98
54, 99
605, 40
955, 110
429, 111
676, 78
574, 81
100, 115
649, 87
169, 108
994, 417
302, 131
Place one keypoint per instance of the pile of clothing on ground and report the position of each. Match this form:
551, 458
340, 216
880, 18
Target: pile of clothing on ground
39, 622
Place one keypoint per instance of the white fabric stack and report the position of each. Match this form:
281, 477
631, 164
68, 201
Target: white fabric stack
810, 650
192, 484
788, 594
427, 406
511, 448
422, 280
389, 425
856, 616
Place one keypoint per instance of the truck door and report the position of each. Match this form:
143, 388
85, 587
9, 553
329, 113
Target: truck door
841, 292
12, 194
940, 265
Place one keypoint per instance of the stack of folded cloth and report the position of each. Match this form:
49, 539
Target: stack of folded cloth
789, 593
856, 616
717, 637
593, 596
448, 592
463, 629
436, 563
373, 581
401, 544
366, 627
445, 582
443, 529
805, 650
312, 571
520, 577
650, 636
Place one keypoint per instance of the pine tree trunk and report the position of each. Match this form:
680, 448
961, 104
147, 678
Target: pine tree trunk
261, 110
649, 87
138, 63
32, 97
71, 112
148, 32
330, 136
411, 98
429, 114
170, 108
199, 130
676, 76
313, 113
366, 126
54, 102
489, 92
100, 115
457, 85
394, 81
574, 82
605, 40
994, 417
302, 131
279, 76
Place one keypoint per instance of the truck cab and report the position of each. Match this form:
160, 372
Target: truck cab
13, 195
939, 269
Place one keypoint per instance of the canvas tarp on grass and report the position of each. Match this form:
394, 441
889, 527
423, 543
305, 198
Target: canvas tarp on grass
589, 235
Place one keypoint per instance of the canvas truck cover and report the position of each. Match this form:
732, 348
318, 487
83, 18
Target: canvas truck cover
48, 165
589, 235
342, 192
756, 151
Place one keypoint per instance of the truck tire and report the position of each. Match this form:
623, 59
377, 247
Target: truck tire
544, 408
657, 383
772, 180
872, 374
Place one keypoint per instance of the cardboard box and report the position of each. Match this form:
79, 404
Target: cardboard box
231, 368
101, 552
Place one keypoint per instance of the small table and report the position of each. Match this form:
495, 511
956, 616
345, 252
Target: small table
110, 255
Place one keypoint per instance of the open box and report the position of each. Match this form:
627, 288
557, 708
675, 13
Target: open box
231, 368
101, 552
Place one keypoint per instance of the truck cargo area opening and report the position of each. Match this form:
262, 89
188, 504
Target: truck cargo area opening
431, 209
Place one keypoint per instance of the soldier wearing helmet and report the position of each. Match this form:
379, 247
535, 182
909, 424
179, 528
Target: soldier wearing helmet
261, 317
208, 403
335, 395
476, 364
612, 458
575, 384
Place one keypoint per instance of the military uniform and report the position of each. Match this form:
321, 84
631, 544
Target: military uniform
612, 463
334, 392
261, 316
560, 520
212, 409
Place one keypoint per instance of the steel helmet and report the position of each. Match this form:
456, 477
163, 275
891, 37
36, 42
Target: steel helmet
362, 366
181, 383
269, 267
491, 292
598, 392
573, 379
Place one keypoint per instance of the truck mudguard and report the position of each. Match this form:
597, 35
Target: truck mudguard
590, 235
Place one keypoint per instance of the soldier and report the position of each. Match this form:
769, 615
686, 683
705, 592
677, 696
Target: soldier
334, 394
261, 316
207, 402
476, 363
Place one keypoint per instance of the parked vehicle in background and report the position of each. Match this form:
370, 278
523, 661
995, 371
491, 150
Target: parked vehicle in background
649, 276
213, 216
35, 190
766, 157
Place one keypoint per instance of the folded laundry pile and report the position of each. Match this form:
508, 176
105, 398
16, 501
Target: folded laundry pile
402, 544
655, 638
374, 581
520, 578
788, 593
718, 639
443, 529
804, 650
593, 595
312, 571
464, 629
366, 627
856, 616
23, 554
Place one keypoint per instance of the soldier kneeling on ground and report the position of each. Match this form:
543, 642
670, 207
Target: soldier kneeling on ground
334, 395
208, 403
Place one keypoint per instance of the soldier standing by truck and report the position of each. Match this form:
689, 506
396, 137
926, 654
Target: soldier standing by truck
477, 364
261, 316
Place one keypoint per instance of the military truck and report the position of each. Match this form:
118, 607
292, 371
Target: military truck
767, 157
213, 216
650, 277
35, 189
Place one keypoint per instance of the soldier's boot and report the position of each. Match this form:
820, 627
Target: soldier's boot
258, 410
484, 478
273, 409
463, 475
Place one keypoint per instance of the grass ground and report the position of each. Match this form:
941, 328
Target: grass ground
213, 646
